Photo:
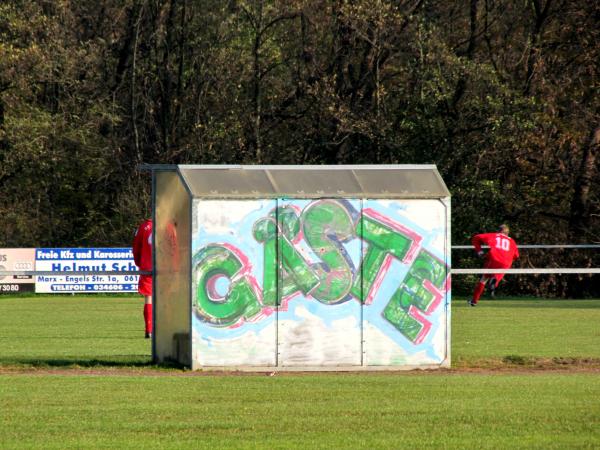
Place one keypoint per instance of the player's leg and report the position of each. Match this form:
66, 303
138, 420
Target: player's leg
145, 288
491, 286
479, 288
494, 282
148, 316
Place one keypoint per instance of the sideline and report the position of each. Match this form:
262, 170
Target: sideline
491, 367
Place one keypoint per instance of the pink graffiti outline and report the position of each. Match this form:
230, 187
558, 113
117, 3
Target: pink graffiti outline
437, 296
448, 283
286, 300
211, 288
414, 312
383, 270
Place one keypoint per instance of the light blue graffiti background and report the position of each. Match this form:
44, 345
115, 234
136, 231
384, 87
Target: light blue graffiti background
373, 314
240, 235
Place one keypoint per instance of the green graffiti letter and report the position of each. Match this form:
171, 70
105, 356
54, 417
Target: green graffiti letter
296, 273
210, 264
382, 240
265, 231
326, 225
419, 294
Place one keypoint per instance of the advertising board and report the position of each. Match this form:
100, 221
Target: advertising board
78, 260
17, 259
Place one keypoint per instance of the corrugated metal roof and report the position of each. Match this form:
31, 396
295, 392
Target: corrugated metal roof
351, 181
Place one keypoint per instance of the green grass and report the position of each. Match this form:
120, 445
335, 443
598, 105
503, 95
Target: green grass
299, 411
50, 399
108, 331
72, 330
525, 330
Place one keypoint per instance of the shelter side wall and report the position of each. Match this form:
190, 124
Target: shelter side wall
172, 269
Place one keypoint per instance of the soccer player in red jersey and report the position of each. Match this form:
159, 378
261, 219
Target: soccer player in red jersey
142, 255
503, 251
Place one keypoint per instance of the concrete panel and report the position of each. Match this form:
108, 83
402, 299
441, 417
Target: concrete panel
234, 309
405, 282
319, 321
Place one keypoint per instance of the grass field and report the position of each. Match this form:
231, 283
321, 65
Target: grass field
75, 373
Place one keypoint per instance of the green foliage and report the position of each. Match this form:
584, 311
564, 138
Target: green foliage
499, 95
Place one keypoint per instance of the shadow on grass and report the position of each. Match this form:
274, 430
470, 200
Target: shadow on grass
55, 363
527, 362
560, 304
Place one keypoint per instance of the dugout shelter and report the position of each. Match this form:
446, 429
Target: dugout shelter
301, 267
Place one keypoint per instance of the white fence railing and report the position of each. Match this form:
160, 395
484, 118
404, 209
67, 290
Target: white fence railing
533, 270
548, 246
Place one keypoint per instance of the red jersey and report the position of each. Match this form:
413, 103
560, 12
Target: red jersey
142, 246
142, 255
503, 249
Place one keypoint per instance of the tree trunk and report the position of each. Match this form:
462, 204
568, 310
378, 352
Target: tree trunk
535, 44
256, 83
580, 205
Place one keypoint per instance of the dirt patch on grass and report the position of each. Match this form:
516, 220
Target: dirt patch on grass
512, 364
521, 364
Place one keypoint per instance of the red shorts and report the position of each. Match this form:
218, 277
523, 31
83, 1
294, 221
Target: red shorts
493, 264
145, 285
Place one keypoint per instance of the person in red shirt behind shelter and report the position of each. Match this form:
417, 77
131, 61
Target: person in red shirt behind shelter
503, 251
142, 255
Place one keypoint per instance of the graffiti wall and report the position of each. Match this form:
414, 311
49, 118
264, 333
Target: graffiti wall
320, 282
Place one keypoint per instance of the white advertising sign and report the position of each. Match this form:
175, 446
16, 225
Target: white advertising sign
16, 259
79, 260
